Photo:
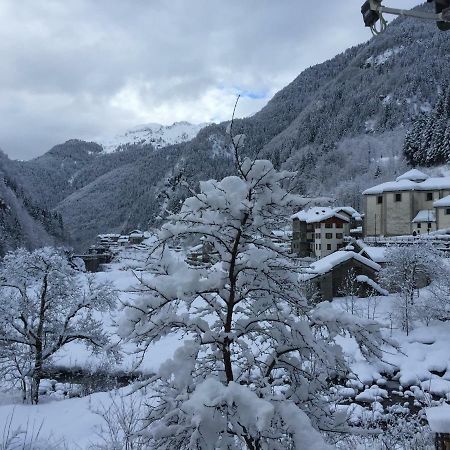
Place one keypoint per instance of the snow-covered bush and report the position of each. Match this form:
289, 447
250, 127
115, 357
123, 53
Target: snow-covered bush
408, 268
122, 423
389, 432
25, 438
435, 303
46, 304
350, 289
256, 358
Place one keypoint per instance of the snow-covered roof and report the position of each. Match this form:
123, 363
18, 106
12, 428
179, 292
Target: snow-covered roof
197, 248
425, 215
350, 211
319, 214
374, 285
439, 418
282, 233
328, 263
443, 202
414, 175
376, 254
402, 184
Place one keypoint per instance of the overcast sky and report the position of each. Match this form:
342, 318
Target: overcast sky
87, 68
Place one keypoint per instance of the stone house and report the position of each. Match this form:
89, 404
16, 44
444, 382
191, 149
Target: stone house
413, 204
136, 237
329, 274
320, 231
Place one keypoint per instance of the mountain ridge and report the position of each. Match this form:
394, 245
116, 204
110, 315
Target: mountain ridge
154, 134
336, 124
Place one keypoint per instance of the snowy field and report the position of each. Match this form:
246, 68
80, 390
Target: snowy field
74, 423
416, 371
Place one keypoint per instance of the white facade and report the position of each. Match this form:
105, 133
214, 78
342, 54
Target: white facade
320, 231
329, 237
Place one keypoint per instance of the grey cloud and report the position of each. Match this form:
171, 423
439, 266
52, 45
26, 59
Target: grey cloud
82, 68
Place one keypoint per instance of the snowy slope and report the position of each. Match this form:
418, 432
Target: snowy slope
155, 134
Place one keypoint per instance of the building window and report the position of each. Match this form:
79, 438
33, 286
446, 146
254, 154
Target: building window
379, 199
447, 211
328, 225
328, 246
320, 246
429, 225
328, 235
419, 225
398, 197
429, 196
339, 236
317, 235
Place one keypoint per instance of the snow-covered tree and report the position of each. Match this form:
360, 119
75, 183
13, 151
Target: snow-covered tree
350, 290
427, 142
406, 267
45, 303
256, 359
435, 303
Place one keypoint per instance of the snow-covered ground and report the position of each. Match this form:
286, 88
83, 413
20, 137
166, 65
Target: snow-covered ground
420, 365
153, 133
74, 423
122, 274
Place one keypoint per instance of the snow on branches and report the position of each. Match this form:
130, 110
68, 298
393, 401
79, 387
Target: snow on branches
257, 360
45, 304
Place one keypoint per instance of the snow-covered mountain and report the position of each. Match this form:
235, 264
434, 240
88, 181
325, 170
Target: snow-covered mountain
340, 125
155, 134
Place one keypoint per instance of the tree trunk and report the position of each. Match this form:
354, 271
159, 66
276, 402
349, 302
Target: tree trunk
37, 375
38, 362
23, 383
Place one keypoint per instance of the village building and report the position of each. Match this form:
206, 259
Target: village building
328, 275
108, 239
136, 237
123, 241
375, 254
320, 231
413, 204
439, 421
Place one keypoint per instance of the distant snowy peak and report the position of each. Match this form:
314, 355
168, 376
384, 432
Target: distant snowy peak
155, 134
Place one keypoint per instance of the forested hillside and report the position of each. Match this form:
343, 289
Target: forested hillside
428, 141
340, 124
22, 221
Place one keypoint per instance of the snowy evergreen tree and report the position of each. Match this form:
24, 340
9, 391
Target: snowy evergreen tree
44, 305
257, 360
427, 142
411, 146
